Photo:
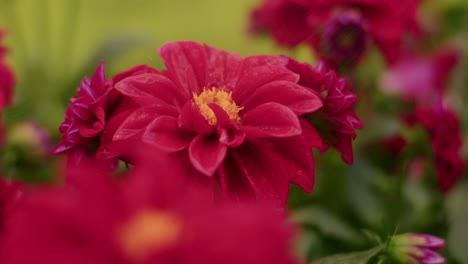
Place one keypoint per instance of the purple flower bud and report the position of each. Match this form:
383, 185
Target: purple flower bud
31, 137
345, 36
416, 248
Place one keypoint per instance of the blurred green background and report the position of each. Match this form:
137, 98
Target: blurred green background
54, 43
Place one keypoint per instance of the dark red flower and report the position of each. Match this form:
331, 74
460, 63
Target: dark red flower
443, 127
143, 220
421, 77
236, 119
292, 22
336, 121
7, 78
85, 117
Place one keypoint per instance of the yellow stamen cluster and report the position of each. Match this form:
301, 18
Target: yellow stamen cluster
219, 97
147, 232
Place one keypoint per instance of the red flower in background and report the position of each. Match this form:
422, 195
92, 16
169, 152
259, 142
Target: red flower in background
443, 127
421, 78
145, 219
336, 121
292, 22
7, 78
236, 120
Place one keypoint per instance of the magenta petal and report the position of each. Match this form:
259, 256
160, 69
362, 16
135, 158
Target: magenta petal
187, 61
298, 98
206, 154
190, 119
258, 71
165, 134
271, 120
430, 257
136, 122
145, 87
233, 180
264, 170
297, 158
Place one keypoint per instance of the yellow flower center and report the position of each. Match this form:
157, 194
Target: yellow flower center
219, 97
148, 231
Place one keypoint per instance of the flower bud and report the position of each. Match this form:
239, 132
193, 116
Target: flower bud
32, 140
414, 248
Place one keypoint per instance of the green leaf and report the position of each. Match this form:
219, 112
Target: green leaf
458, 214
361, 257
328, 224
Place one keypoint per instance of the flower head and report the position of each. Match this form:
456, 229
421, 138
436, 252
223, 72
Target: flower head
416, 248
236, 119
85, 117
144, 219
336, 121
7, 78
345, 38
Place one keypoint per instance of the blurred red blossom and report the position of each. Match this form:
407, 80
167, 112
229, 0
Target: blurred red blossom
336, 121
421, 78
143, 219
7, 77
443, 127
236, 120
292, 22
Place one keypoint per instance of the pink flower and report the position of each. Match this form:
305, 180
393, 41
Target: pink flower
420, 78
236, 120
142, 220
292, 22
336, 121
7, 78
443, 127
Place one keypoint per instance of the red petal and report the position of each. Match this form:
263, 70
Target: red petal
206, 154
264, 170
297, 158
136, 122
258, 71
190, 119
271, 120
165, 134
298, 98
145, 87
187, 63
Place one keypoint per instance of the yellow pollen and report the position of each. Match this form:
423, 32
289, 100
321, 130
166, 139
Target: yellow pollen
219, 97
148, 231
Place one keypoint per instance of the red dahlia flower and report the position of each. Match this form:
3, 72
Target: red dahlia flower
336, 121
85, 117
292, 22
443, 127
143, 220
7, 78
236, 119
